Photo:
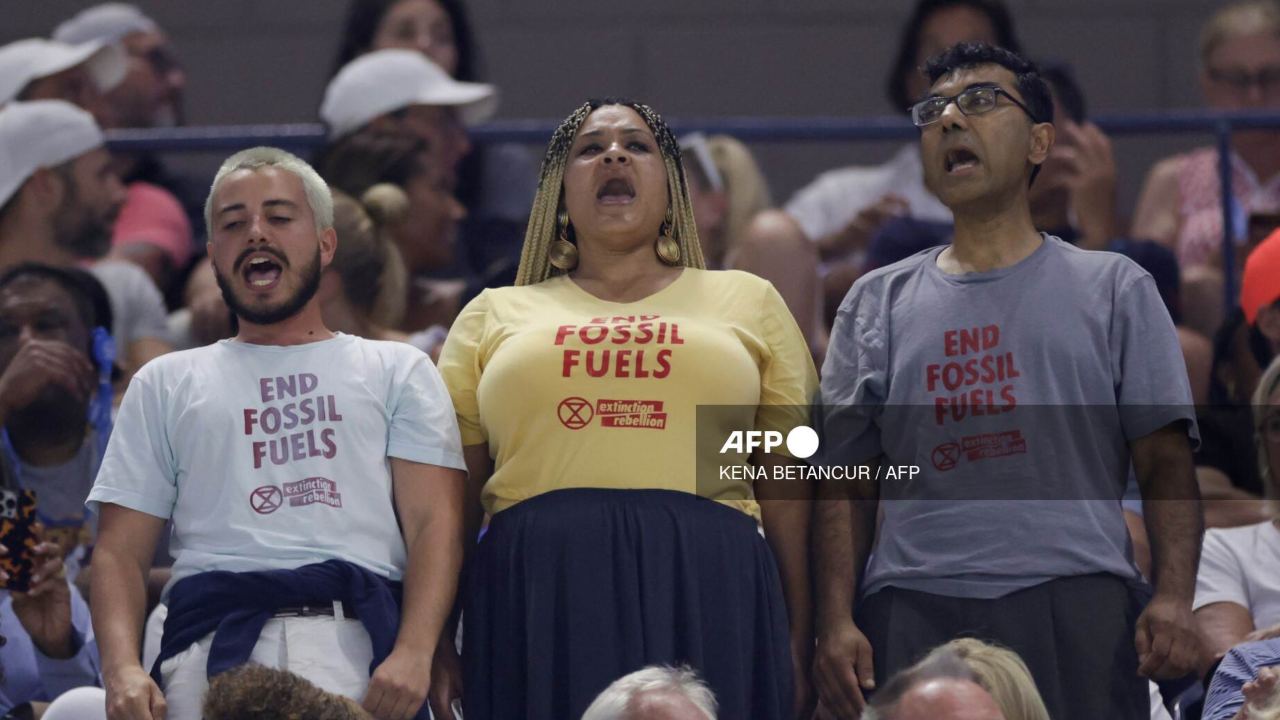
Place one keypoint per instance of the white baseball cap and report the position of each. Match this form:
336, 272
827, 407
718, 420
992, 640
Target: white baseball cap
41, 134
384, 81
106, 23
34, 58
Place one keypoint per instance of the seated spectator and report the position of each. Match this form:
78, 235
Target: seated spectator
655, 693
55, 408
362, 291
59, 198
155, 225
1238, 586
842, 209
1246, 685
941, 687
39, 69
254, 692
426, 236
728, 190
1180, 204
1001, 673
1249, 338
49, 647
496, 181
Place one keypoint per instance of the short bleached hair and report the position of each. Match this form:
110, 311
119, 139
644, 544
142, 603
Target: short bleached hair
617, 699
318, 195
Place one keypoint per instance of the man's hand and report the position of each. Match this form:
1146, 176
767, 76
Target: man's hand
446, 680
1270, 633
45, 610
857, 234
1259, 690
1166, 639
399, 686
40, 363
1090, 178
133, 695
842, 669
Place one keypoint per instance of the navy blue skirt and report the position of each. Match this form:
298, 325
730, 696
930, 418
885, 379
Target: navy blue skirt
573, 589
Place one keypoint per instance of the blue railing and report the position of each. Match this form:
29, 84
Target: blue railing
302, 136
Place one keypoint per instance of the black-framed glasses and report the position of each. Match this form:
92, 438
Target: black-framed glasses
975, 100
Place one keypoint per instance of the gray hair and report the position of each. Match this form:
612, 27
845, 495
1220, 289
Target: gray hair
318, 196
617, 699
943, 664
1261, 406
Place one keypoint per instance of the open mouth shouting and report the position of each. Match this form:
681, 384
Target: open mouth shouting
616, 191
960, 161
261, 270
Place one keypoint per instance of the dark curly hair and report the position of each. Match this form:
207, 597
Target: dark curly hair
254, 692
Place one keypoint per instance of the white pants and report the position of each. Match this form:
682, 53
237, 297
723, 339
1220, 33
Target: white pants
332, 654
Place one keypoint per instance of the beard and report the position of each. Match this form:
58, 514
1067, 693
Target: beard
282, 310
54, 416
77, 230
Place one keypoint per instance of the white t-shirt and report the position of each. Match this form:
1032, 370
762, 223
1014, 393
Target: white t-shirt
1241, 565
272, 457
136, 305
832, 200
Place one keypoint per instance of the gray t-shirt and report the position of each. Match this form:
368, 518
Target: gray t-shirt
1016, 393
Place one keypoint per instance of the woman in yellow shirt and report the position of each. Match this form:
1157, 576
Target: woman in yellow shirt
595, 398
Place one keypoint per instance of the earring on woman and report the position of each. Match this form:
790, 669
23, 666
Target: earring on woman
666, 247
563, 253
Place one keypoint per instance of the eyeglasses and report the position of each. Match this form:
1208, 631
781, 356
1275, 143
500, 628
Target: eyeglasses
1267, 79
971, 101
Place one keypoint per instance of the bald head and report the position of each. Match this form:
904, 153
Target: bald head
947, 699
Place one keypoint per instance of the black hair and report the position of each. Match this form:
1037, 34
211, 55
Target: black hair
87, 294
909, 44
363, 17
1062, 80
1030, 85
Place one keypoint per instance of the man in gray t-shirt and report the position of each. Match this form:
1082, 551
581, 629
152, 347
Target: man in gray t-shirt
1022, 376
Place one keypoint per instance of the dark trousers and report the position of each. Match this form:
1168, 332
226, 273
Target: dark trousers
1076, 635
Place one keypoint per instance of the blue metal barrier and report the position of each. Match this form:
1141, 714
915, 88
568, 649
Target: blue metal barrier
302, 136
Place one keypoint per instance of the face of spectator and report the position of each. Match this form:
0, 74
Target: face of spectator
438, 125
421, 25
942, 29
266, 250
92, 195
151, 93
970, 158
947, 699
428, 233
1243, 73
74, 85
35, 308
615, 180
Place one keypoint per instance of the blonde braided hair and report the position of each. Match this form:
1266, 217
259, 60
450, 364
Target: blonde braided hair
535, 261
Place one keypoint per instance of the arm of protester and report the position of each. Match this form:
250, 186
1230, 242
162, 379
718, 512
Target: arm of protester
1166, 637
429, 505
122, 557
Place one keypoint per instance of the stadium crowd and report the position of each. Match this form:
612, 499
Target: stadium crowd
417, 427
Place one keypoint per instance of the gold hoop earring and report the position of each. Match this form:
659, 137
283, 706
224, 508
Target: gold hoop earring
563, 254
666, 247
